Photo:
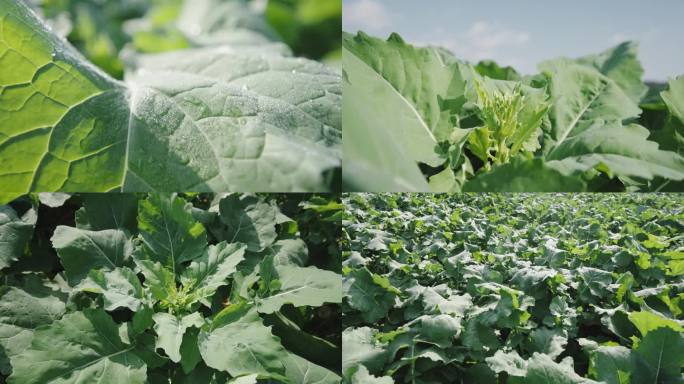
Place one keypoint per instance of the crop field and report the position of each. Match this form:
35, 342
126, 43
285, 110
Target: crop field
513, 288
420, 119
153, 289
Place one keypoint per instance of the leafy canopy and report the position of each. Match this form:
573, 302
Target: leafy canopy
513, 288
170, 296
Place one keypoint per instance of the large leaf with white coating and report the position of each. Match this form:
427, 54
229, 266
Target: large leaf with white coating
255, 351
21, 311
300, 370
15, 231
81, 347
369, 111
369, 293
300, 287
67, 126
580, 95
171, 330
211, 271
620, 64
81, 251
248, 220
588, 131
440, 79
170, 234
659, 357
120, 288
674, 97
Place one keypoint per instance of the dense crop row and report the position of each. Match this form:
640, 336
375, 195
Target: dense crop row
525, 288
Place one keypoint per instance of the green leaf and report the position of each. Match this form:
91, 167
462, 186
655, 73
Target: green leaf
161, 130
171, 330
548, 341
170, 233
120, 288
82, 346
587, 130
248, 220
579, 96
392, 124
300, 287
108, 211
300, 370
440, 80
189, 350
365, 295
440, 330
646, 322
21, 312
621, 65
617, 149
371, 122
659, 357
211, 271
542, 369
492, 70
362, 376
81, 251
612, 365
359, 347
525, 176
674, 97
160, 281
255, 351
510, 363
15, 232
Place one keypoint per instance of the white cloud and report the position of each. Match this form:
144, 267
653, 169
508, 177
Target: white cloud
485, 40
367, 15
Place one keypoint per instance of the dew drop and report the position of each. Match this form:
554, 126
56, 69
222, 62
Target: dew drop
294, 71
245, 88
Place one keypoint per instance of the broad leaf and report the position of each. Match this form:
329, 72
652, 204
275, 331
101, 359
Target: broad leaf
255, 351
119, 287
621, 65
301, 287
659, 357
21, 312
170, 331
81, 251
161, 130
369, 294
674, 98
108, 211
170, 233
248, 220
82, 346
211, 271
15, 232
370, 117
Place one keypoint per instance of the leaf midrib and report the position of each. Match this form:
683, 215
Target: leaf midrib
575, 121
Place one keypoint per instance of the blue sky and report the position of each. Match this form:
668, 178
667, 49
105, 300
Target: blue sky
524, 32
